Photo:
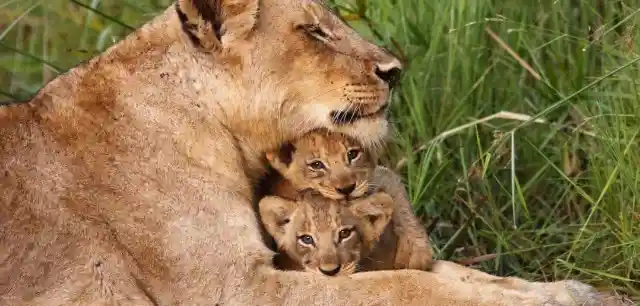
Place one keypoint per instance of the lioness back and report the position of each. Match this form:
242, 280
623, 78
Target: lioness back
332, 237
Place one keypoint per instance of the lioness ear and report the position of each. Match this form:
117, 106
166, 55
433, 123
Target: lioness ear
313, 11
217, 23
375, 210
281, 158
275, 213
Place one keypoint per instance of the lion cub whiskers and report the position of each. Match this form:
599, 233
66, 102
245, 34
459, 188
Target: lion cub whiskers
322, 235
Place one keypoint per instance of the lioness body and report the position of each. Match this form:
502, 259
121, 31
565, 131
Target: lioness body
338, 167
128, 180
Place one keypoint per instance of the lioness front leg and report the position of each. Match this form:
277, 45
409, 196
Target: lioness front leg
565, 292
413, 250
399, 287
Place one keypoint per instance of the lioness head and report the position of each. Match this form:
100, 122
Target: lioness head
333, 164
293, 62
323, 235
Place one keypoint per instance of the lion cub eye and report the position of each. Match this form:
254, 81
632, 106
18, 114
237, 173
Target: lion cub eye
344, 233
306, 239
316, 165
353, 154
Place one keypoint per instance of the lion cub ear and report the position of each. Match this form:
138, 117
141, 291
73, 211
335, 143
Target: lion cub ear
281, 158
275, 213
210, 24
375, 210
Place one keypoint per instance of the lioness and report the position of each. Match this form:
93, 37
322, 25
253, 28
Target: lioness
337, 166
332, 237
128, 179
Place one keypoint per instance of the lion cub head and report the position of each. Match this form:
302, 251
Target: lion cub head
323, 235
333, 164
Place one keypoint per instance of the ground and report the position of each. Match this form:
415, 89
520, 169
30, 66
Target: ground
550, 198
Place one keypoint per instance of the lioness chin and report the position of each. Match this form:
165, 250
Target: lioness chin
128, 179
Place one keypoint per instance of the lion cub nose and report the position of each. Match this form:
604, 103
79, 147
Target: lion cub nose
329, 270
347, 190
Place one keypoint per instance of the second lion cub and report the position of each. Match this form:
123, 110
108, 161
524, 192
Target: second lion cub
337, 167
332, 237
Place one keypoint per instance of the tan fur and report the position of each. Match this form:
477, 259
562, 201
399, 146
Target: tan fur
327, 236
355, 175
128, 179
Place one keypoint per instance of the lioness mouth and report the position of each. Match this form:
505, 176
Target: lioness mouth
350, 116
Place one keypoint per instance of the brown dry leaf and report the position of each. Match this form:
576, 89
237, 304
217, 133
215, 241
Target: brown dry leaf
475, 173
570, 163
476, 260
574, 161
628, 40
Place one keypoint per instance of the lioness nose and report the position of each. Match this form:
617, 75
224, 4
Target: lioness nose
390, 72
347, 189
330, 272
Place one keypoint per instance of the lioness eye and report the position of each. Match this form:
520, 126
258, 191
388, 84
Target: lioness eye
344, 234
353, 154
316, 165
315, 30
306, 239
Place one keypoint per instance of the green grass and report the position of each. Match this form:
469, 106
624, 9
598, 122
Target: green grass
551, 200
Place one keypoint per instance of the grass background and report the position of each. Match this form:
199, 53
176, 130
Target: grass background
552, 199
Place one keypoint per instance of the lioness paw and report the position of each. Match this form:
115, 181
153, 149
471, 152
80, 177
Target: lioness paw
585, 295
570, 293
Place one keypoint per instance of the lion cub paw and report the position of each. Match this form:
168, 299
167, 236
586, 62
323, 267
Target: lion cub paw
413, 253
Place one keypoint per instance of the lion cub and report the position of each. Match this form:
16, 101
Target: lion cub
332, 237
337, 167
333, 164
